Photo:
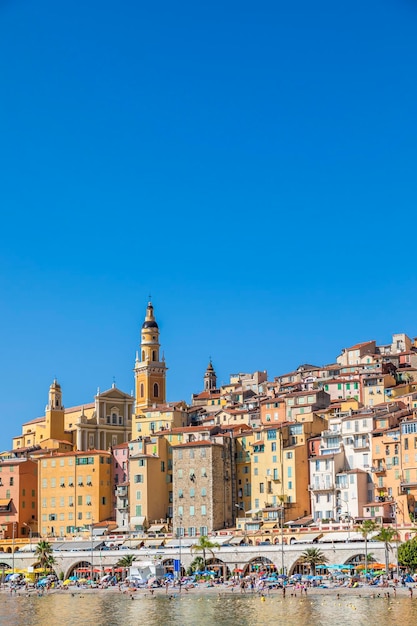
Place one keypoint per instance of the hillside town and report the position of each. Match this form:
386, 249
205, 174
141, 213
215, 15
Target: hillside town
319, 446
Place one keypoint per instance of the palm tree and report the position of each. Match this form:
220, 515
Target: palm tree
313, 557
386, 535
44, 554
204, 545
126, 562
367, 527
196, 565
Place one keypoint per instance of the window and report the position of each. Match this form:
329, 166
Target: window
156, 390
192, 492
138, 478
192, 510
203, 491
203, 509
261, 488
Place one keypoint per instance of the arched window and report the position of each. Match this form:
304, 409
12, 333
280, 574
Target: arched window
156, 390
142, 391
153, 355
143, 355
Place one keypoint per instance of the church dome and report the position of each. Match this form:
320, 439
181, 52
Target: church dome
149, 324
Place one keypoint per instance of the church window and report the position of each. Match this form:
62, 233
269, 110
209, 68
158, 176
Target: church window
143, 355
153, 355
156, 390
141, 390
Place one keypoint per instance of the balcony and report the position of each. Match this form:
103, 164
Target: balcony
122, 490
379, 469
361, 444
407, 484
322, 487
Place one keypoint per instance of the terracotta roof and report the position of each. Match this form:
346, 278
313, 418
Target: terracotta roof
360, 345
120, 445
199, 442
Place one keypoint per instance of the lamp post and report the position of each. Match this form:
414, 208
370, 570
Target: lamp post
396, 535
92, 549
30, 534
13, 534
282, 537
179, 550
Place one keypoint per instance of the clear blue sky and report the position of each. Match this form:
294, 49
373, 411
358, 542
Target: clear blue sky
252, 165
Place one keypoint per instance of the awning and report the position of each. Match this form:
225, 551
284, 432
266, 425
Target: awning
5, 501
156, 528
184, 543
137, 521
307, 538
345, 536
235, 541
152, 542
222, 539
78, 545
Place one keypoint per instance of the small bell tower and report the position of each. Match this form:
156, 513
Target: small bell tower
210, 378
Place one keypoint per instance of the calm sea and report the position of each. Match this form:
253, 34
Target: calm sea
202, 610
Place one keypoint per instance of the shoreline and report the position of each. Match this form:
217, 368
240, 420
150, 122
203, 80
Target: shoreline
390, 593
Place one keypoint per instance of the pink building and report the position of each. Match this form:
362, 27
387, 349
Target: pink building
18, 498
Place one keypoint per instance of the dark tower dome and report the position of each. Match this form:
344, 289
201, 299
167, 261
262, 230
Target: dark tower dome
150, 321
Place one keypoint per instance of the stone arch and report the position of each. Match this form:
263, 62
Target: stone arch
259, 564
81, 569
168, 565
357, 559
218, 566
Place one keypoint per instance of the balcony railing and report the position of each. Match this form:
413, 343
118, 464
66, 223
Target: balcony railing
321, 487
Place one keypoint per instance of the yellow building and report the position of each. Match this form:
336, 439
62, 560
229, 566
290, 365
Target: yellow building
105, 422
163, 417
150, 481
75, 491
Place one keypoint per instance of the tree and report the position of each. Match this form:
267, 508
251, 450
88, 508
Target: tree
196, 565
313, 557
386, 535
126, 561
407, 554
366, 528
44, 554
204, 545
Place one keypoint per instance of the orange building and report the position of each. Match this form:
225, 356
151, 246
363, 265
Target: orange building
18, 498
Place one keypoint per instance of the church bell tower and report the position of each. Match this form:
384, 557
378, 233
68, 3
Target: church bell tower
150, 368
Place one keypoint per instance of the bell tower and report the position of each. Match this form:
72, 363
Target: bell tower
210, 378
150, 368
54, 413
